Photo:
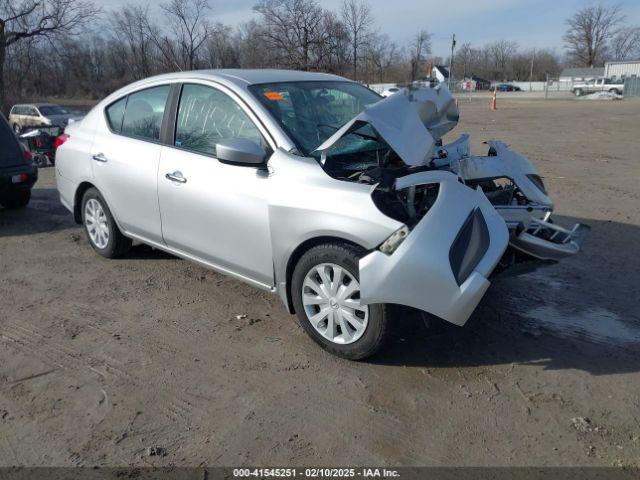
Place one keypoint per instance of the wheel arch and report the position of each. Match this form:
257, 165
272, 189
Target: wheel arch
298, 252
77, 200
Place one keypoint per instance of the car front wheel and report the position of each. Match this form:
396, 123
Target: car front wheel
103, 233
326, 297
16, 128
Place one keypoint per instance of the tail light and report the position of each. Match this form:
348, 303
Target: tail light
26, 154
60, 139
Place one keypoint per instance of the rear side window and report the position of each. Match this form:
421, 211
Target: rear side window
115, 113
206, 116
144, 111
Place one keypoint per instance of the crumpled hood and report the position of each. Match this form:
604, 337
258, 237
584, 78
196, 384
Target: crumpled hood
411, 122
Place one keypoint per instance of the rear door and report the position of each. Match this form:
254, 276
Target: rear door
215, 212
10, 151
126, 154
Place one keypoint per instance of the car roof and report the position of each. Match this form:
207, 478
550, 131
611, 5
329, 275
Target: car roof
37, 105
245, 77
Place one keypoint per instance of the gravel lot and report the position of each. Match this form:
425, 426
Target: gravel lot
101, 359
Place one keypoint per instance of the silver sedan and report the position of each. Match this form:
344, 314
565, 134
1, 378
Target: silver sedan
304, 184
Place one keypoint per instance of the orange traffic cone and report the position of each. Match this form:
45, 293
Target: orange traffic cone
494, 105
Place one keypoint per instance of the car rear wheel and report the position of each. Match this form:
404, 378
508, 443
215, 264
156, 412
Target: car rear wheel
103, 233
16, 199
16, 128
578, 92
326, 297
614, 91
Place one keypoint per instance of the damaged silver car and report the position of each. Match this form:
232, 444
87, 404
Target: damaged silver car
313, 187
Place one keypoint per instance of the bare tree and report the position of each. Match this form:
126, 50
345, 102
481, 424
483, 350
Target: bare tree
626, 44
381, 53
420, 46
223, 48
24, 19
293, 29
131, 29
464, 59
187, 20
589, 31
501, 53
332, 52
358, 20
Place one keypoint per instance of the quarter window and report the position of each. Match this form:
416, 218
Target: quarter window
207, 116
144, 111
115, 112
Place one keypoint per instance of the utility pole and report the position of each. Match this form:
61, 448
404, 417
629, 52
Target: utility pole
533, 56
453, 44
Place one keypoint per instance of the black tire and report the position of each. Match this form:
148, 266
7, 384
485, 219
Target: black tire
117, 244
16, 129
16, 199
347, 257
614, 91
578, 92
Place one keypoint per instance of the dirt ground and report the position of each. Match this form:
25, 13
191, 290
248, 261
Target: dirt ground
101, 359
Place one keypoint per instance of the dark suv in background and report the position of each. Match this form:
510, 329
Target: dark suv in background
18, 172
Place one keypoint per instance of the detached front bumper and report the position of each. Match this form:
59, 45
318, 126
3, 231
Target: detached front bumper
443, 264
545, 240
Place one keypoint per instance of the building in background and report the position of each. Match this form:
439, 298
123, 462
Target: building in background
573, 75
622, 70
440, 73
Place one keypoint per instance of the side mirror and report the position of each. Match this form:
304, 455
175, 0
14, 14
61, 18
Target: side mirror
240, 151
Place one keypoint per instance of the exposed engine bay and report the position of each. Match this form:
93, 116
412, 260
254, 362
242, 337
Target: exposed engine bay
402, 135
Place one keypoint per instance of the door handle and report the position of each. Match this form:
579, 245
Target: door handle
176, 177
99, 157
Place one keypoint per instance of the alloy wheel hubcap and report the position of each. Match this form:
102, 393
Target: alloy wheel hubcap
331, 299
95, 221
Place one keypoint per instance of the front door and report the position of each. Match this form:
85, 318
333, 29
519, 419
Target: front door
213, 211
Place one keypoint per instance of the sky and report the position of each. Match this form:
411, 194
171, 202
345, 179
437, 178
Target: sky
531, 23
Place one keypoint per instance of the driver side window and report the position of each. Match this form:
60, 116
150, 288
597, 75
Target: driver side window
207, 116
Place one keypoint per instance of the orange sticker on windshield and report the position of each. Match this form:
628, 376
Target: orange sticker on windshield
274, 96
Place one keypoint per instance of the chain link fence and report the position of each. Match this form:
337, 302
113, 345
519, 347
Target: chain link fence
632, 87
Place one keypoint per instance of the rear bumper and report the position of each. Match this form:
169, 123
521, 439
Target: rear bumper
18, 178
419, 273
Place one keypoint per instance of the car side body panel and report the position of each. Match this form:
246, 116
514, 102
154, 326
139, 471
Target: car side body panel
305, 203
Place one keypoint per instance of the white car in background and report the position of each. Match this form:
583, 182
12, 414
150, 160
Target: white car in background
390, 91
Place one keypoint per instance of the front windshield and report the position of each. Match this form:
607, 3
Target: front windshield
310, 112
52, 110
